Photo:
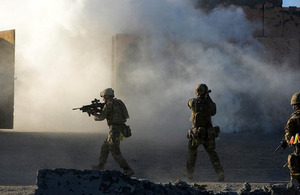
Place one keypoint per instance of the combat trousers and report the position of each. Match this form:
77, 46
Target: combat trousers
210, 148
112, 144
294, 165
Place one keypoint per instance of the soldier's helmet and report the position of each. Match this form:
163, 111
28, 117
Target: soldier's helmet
202, 88
108, 91
295, 98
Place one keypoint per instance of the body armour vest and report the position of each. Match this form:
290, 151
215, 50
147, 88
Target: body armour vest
295, 123
201, 115
117, 114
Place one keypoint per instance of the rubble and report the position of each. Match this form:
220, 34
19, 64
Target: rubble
71, 181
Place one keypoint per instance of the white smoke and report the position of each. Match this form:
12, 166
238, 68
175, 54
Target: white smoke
217, 49
63, 60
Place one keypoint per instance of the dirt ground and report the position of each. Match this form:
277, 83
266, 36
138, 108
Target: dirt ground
245, 158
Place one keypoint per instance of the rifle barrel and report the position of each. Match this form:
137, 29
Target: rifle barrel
277, 149
76, 109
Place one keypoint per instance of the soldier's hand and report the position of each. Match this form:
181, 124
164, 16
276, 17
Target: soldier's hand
284, 144
91, 112
189, 134
208, 98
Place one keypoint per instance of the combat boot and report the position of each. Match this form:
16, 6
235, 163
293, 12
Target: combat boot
187, 174
98, 167
293, 183
129, 172
221, 177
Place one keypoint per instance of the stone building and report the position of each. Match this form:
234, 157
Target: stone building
278, 31
7, 69
279, 27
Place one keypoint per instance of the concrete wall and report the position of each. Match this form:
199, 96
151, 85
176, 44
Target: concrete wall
291, 22
279, 26
275, 21
7, 68
8, 35
278, 30
125, 53
128, 53
283, 50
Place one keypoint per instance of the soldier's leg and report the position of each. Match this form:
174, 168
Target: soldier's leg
117, 155
104, 153
114, 146
192, 156
103, 156
293, 161
210, 148
293, 182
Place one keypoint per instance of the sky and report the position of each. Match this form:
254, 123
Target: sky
287, 3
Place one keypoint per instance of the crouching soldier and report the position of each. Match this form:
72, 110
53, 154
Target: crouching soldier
292, 133
203, 131
116, 114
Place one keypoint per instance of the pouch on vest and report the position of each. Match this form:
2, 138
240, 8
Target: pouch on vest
196, 135
202, 134
213, 132
294, 165
126, 131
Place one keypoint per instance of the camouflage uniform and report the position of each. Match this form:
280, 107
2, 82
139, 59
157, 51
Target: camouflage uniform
115, 113
202, 133
291, 129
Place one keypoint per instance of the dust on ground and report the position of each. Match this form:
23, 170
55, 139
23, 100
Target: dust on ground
245, 157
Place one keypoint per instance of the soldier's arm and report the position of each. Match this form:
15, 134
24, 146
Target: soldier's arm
99, 117
213, 107
191, 103
214, 110
290, 130
103, 114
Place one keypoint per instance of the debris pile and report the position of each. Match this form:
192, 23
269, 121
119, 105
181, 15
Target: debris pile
71, 181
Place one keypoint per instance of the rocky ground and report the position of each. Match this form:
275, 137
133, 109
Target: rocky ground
70, 181
245, 158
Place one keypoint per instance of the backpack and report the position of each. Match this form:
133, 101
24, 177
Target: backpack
126, 131
123, 108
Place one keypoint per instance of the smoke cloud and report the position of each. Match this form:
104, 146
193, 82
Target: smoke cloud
63, 60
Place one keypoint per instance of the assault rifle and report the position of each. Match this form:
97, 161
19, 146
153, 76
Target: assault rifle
96, 106
283, 144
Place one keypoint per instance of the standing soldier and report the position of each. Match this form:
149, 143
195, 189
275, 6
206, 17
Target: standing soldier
202, 132
292, 129
116, 114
